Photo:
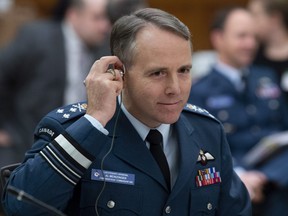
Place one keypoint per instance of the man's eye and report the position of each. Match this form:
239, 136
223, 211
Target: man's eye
185, 70
157, 73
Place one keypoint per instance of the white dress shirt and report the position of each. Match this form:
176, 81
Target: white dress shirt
77, 60
233, 74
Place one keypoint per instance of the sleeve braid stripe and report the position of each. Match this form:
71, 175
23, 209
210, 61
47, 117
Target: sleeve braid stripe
72, 151
62, 163
54, 167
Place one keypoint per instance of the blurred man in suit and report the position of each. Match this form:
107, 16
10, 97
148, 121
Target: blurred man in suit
248, 101
156, 154
44, 68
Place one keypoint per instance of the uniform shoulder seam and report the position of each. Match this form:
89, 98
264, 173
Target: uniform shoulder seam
66, 113
200, 111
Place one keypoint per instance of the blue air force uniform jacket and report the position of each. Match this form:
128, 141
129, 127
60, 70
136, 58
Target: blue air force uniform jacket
248, 116
63, 169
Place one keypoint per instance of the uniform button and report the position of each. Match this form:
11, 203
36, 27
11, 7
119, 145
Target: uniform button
209, 206
110, 204
168, 210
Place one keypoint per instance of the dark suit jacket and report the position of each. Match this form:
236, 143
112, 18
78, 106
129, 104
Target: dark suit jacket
67, 177
32, 80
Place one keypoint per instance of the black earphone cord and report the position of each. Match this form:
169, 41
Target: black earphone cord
105, 156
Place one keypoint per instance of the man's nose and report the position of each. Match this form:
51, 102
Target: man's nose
172, 85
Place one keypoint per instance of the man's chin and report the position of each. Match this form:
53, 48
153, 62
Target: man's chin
170, 119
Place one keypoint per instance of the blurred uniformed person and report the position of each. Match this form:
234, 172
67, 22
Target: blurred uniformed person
245, 98
156, 154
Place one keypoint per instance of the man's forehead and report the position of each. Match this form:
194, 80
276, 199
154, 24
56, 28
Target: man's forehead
154, 36
237, 17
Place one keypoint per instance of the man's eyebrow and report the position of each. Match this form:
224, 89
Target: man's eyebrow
153, 69
159, 68
186, 66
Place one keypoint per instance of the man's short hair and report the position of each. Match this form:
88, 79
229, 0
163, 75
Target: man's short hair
124, 31
222, 16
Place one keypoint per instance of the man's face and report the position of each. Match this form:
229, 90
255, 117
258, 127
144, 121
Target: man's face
157, 85
91, 22
236, 43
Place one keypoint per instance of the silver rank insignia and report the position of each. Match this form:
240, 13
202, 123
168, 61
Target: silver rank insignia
204, 157
198, 109
73, 109
60, 111
66, 115
80, 107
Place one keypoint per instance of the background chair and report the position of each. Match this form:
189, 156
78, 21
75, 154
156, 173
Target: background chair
6, 171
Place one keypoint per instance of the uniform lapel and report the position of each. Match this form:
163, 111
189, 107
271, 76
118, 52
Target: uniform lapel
188, 153
130, 148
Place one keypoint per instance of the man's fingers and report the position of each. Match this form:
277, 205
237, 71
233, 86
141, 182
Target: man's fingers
103, 63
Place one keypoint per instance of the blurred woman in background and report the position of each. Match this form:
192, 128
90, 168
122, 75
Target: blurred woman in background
271, 17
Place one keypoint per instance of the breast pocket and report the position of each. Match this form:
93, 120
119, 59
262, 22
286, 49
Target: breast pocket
116, 199
204, 200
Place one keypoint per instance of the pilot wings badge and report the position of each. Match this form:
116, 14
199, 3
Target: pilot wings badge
204, 157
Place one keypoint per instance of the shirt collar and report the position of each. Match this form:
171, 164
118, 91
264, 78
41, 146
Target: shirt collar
143, 130
72, 40
233, 74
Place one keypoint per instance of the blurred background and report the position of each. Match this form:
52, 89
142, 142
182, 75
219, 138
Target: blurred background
194, 13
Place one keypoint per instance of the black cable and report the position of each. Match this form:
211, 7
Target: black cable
104, 157
23, 196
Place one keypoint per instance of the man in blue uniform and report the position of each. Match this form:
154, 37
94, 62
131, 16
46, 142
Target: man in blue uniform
136, 147
247, 100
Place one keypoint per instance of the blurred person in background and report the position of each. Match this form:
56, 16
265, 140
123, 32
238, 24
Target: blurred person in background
249, 102
44, 67
119, 8
271, 17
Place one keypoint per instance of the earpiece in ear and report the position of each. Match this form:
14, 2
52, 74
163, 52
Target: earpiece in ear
122, 72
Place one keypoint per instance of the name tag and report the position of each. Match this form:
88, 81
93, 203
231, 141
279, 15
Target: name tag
220, 102
113, 177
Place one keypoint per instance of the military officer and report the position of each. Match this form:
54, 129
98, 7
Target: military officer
246, 99
136, 147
